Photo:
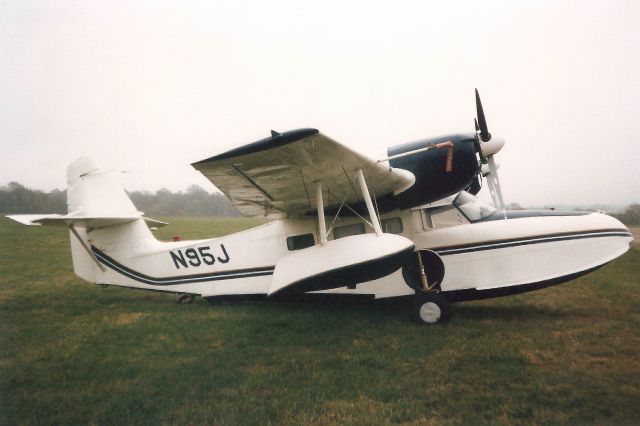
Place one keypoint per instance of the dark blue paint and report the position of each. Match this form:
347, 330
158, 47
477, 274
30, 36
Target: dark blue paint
433, 182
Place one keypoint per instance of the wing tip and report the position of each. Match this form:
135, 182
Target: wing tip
275, 140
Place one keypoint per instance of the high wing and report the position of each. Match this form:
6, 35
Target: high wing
276, 177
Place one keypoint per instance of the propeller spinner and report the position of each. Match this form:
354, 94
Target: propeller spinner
487, 145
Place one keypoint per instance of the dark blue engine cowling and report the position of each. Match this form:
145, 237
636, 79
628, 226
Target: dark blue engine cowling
433, 182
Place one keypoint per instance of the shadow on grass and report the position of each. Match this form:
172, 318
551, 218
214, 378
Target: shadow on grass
400, 309
335, 309
345, 309
514, 312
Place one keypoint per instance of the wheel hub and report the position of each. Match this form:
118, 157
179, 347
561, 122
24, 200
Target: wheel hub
430, 312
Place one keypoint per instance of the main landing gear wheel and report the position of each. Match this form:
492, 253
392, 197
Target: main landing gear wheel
430, 308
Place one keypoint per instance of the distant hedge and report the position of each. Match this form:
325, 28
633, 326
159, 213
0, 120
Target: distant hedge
631, 215
195, 201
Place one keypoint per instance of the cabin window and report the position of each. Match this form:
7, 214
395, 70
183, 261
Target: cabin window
392, 225
348, 230
298, 242
426, 216
442, 217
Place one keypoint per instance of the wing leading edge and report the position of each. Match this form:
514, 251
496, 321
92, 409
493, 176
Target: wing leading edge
276, 176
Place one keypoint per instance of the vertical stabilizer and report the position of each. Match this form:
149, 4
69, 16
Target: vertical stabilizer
100, 215
95, 193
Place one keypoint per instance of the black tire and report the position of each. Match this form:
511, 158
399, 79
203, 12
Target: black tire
431, 308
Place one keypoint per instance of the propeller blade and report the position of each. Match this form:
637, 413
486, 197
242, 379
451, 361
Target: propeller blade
492, 189
482, 122
484, 169
476, 143
494, 183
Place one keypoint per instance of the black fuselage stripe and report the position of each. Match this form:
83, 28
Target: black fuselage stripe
527, 241
268, 270
185, 279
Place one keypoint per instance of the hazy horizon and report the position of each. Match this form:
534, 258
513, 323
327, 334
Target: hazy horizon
149, 88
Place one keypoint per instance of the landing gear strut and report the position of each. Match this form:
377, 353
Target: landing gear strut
429, 305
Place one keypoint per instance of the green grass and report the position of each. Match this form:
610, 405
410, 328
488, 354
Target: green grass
74, 353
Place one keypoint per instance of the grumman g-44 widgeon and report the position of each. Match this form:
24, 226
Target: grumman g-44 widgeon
408, 225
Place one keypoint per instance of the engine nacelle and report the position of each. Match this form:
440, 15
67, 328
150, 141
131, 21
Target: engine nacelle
433, 182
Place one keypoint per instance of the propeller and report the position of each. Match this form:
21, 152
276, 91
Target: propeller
481, 122
487, 146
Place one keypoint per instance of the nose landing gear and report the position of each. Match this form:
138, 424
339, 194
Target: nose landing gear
425, 275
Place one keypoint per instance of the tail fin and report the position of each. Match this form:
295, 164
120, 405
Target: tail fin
96, 201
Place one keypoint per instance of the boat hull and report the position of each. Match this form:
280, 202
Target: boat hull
517, 255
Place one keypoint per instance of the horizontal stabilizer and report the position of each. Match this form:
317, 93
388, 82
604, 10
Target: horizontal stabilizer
76, 220
154, 223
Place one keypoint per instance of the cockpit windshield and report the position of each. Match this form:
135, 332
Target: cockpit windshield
471, 207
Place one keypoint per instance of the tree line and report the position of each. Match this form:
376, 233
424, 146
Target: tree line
631, 215
195, 201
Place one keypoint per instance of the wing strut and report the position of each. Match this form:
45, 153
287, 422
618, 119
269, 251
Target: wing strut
367, 200
322, 227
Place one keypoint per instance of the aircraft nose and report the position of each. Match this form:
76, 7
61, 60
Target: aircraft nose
614, 223
604, 222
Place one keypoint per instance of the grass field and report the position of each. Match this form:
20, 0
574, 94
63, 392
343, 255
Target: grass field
74, 353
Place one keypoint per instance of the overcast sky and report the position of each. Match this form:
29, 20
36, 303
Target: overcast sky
151, 86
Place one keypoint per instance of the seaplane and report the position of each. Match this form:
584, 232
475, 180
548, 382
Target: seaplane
343, 225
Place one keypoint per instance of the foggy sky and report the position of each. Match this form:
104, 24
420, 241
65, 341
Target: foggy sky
149, 87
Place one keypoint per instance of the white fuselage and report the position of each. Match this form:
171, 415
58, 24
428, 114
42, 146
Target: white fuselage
478, 257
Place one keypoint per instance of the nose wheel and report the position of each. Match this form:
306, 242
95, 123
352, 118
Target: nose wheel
431, 308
